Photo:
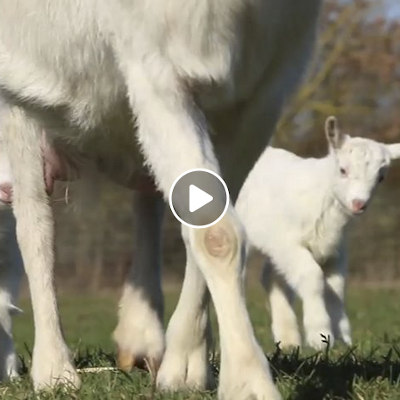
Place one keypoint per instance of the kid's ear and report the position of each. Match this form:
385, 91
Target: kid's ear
333, 135
394, 150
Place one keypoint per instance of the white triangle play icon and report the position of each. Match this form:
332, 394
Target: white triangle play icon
198, 198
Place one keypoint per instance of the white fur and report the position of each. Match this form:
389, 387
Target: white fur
140, 332
69, 68
185, 362
295, 210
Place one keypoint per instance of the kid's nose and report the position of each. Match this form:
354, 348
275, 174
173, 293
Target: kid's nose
358, 206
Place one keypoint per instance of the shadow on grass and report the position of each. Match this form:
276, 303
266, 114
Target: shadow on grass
327, 375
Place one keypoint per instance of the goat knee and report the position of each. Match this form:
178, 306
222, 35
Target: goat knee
220, 241
219, 245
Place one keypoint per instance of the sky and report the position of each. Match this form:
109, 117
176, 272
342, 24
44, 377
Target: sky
389, 9
386, 8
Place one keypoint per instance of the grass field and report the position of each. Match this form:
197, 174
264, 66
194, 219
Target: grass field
370, 370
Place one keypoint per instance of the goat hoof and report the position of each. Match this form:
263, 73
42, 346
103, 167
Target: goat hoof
319, 341
51, 376
185, 371
126, 361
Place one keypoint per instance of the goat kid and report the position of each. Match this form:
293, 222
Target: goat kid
295, 211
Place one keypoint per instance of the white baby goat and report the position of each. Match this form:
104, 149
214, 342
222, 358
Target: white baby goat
295, 210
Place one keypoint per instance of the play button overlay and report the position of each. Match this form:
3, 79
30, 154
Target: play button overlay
199, 198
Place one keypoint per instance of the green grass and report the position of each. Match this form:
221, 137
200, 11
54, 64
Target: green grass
369, 370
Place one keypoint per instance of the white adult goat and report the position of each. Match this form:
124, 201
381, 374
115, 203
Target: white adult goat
295, 210
80, 70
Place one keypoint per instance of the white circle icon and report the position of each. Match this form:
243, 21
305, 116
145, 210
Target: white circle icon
199, 198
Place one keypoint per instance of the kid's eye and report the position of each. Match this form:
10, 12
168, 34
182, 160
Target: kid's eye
343, 171
381, 174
